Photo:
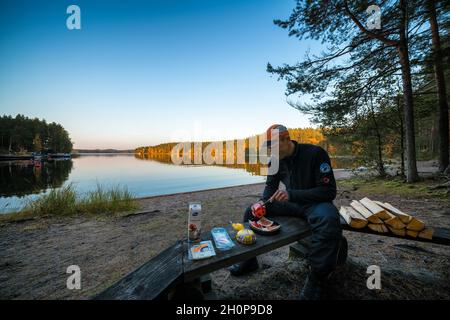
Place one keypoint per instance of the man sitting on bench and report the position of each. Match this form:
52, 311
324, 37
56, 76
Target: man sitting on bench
306, 172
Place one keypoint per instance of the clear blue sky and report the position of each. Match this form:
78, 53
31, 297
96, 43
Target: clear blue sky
146, 72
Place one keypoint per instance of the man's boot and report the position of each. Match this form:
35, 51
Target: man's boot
244, 267
313, 288
343, 252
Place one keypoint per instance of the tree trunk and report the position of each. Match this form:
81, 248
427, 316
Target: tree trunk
411, 166
441, 89
10, 143
402, 137
381, 170
380, 163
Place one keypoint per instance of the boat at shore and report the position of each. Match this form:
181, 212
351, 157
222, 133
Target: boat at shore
14, 157
36, 156
51, 156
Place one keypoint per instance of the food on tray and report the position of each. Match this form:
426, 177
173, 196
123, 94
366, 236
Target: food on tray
222, 239
264, 225
265, 222
256, 224
202, 250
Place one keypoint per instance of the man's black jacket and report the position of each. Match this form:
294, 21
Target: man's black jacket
307, 175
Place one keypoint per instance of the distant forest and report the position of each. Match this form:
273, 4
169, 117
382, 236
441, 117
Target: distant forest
303, 135
337, 144
22, 135
102, 151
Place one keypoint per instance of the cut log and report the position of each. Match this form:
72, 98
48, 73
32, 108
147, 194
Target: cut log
343, 212
375, 209
378, 227
404, 217
365, 212
411, 223
352, 217
416, 225
426, 234
412, 233
398, 232
395, 223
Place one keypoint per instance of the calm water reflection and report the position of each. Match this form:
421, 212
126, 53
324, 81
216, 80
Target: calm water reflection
23, 177
23, 181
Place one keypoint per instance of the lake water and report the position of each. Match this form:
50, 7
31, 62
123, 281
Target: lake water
23, 181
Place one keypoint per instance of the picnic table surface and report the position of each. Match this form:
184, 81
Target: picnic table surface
172, 266
292, 229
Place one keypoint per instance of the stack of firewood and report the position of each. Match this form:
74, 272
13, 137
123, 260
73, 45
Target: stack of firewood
383, 218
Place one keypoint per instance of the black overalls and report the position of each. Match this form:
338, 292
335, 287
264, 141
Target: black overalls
309, 180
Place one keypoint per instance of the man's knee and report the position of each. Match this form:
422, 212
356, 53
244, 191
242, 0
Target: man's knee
324, 218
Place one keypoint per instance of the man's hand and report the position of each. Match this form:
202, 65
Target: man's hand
280, 195
258, 209
260, 202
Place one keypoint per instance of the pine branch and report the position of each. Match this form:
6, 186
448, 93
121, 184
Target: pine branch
369, 33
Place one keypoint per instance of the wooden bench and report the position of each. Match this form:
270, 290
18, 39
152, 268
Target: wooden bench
171, 271
440, 235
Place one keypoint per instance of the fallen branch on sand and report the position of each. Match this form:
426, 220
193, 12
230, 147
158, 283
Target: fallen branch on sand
441, 186
139, 213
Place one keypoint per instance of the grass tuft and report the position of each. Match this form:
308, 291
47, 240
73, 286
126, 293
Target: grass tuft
114, 199
396, 185
62, 201
65, 202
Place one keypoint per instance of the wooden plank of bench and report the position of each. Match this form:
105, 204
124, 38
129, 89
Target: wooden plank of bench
293, 229
151, 279
440, 235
